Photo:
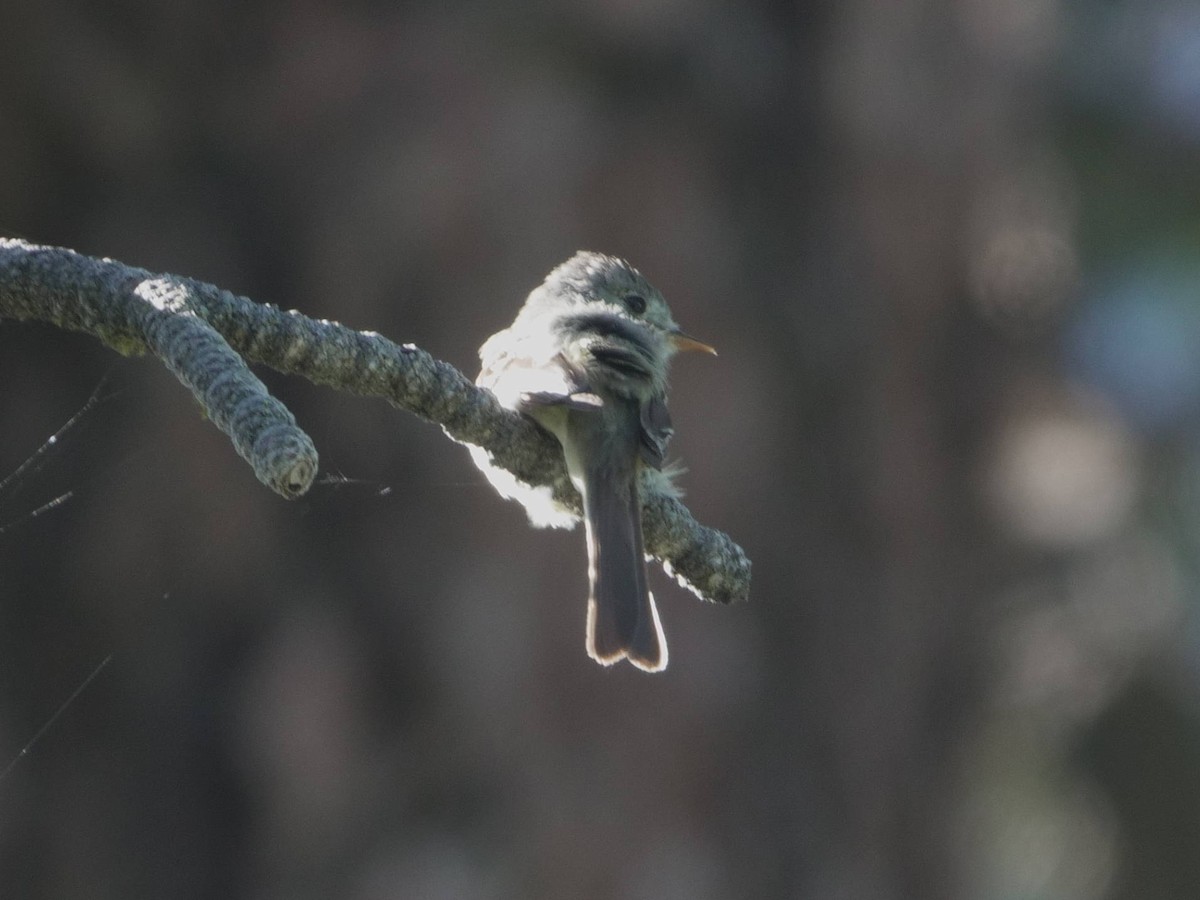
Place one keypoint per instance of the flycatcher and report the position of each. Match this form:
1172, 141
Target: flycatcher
587, 359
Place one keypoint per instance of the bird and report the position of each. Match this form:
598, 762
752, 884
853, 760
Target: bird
587, 359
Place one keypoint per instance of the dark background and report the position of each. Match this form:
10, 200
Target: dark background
949, 253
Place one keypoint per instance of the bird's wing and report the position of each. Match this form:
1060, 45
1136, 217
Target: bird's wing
656, 431
558, 384
523, 377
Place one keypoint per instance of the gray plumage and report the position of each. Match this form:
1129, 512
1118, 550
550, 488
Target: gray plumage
587, 358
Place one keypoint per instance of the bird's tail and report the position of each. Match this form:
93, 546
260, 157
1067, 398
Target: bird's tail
622, 620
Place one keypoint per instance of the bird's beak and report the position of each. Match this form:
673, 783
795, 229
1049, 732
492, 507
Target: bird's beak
687, 342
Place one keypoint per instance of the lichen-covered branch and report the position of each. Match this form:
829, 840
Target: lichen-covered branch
205, 335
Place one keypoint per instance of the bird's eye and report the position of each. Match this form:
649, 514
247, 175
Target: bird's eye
636, 304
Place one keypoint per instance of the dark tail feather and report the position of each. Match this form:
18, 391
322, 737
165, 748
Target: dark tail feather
622, 618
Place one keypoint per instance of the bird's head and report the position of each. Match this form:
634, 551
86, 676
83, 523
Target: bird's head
593, 281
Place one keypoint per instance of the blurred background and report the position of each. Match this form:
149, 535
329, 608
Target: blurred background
949, 253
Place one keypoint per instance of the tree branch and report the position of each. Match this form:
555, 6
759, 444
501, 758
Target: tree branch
205, 335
